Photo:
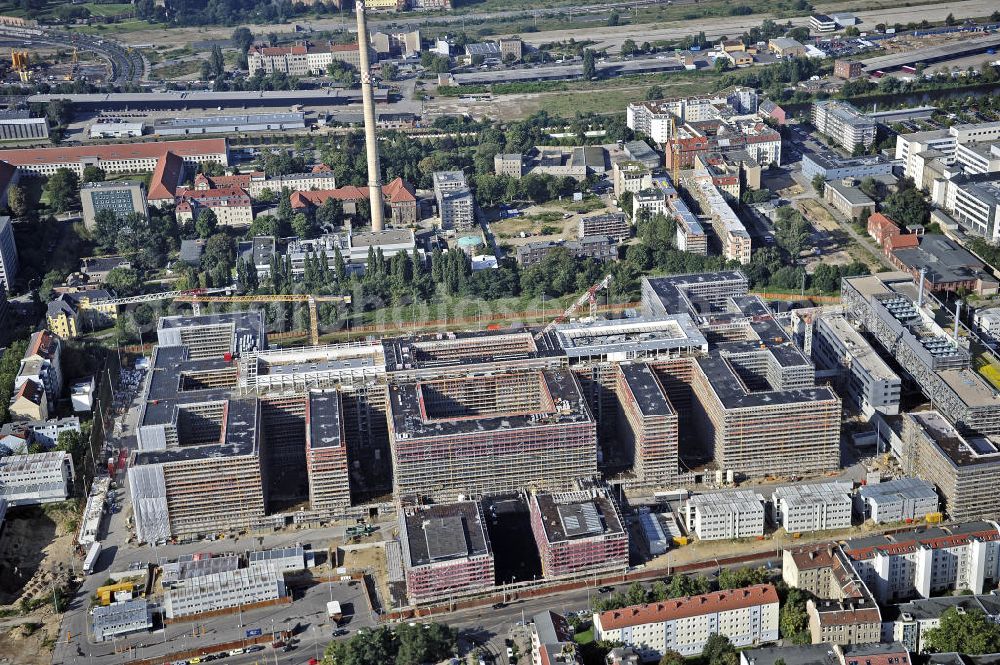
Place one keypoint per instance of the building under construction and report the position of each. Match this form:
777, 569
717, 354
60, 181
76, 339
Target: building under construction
490, 434
578, 532
647, 425
446, 550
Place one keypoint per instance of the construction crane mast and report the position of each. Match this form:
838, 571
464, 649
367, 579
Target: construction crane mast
19, 63
589, 296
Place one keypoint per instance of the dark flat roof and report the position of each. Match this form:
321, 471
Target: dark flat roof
323, 419
646, 389
444, 532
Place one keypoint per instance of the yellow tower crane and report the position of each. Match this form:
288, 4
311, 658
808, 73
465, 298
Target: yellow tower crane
307, 298
19, 63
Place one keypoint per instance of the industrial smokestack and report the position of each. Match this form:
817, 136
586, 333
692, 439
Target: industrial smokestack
368, 100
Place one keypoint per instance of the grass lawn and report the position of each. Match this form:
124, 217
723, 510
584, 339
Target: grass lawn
176, 70
584, 637
108, 10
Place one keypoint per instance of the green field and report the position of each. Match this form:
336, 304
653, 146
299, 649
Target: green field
108, 10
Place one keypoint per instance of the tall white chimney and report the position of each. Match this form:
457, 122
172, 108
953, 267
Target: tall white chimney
368, 101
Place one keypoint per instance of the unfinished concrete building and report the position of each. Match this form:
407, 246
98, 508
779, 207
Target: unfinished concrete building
647, 425
578, 532
963, 468
887, 306
446, 550
326, 452
490, 434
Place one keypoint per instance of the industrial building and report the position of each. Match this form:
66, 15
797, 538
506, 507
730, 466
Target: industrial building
647, 425
578, 532
929, 561
725, 515
886, 305
35, 479
812, 507
963, 468
495, 433
244, 587
122, 197
865, 379
446, 550
121, 618
945, 266
229, 124
900, 500
843, 123
746, 616
18, 125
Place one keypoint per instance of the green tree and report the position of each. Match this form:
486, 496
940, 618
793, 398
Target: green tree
636, 594
719, 650
124, 281
63, 190
390, 71
330, 214
737, 578
793, 620
654, 92
819, 183
950, 19
906, 206
242, 39
206, 223
93, 173
629, 47
791, 231
614, 18
303, 226
589, 65
217, 61
17, 201
970, 632
671, 657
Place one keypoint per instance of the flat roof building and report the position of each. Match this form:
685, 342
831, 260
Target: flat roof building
843, 123
725, 515
35, 479
647, 425
122, 197
899, 500
229, 124
578, 532
490, 433
122, 618
446, 550
812, 507
244, 587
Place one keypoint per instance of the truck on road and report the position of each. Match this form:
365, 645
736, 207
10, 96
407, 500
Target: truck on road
93, 554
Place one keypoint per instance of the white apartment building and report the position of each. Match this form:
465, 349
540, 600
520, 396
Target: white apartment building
736, 243
456, 207
928, 561
867, 380
747, 616
9, 265
42, 363
631, 177
653, 118
843, 123
34, 479
899, 500
225, 590
815, 507
725, 515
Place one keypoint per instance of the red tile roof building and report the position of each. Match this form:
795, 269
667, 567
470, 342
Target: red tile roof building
231, 205
398, 194
746, 616
116, 157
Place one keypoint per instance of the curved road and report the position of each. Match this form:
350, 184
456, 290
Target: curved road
127, 65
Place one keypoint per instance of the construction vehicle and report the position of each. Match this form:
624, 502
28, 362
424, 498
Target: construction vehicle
589, 296
19, 63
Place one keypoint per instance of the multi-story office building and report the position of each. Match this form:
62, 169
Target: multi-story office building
456, 206
833, 167
690, 233
446, 550
9, 264
963, 468
922, 562
813, 507
903, 499
843, 123
471, 434
34, 479
978, 158
122, 197
885, 306
975, 204
647, 425
725, 515
866, 379
42, 363
746, 616
244, 587
578, 532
